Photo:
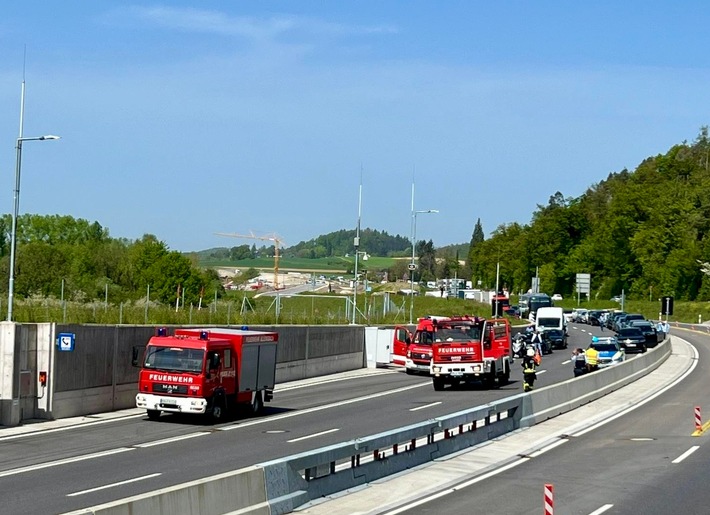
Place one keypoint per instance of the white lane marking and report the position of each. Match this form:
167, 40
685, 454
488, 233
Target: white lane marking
693, 364
566, 362
540, 371
49, 464
425, 406
602, 509
547, 448
286, 387
127, 481
297, 413
686, 454
468, 483
171, 440
314, 435
67, 428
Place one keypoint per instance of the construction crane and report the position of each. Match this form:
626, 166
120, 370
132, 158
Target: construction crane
268, 237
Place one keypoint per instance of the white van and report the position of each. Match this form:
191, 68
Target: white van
550, 318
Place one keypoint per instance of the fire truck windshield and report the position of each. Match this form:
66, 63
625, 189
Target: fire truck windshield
464, 333
174, 358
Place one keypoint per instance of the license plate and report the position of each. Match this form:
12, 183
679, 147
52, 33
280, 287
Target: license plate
457, 374
631, 345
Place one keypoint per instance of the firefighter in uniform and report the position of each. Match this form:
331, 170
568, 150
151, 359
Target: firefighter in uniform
591, 356
529, 368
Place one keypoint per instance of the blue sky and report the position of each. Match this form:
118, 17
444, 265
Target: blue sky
184, 119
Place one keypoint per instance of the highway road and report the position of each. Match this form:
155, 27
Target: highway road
643, 462
63, 470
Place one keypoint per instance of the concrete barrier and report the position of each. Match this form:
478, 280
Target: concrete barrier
241, 491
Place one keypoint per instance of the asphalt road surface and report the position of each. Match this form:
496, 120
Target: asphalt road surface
63, 470
645, 462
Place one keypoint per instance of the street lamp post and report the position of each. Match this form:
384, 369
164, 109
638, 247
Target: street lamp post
13, 235
412, 265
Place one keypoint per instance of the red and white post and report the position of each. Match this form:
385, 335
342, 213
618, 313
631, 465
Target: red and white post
698, 419
549, 499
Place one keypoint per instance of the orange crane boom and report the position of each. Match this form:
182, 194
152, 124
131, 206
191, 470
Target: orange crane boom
269, 237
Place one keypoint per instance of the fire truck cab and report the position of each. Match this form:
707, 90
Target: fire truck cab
417, 348
476, 351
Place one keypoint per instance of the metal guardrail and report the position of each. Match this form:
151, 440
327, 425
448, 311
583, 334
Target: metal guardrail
298, 479
293, 481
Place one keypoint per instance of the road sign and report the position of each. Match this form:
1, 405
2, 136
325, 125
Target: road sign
412, 266
65, 341
584, 283
667, 306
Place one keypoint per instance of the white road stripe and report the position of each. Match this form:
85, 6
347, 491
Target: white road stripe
468, 483
425, 406
314, 435
171, 440
69, 427
547, 448
40, 466
602, 509
114, 484
686, 454
266, 420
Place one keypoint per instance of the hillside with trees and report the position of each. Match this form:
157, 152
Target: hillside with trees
62, 255
645, 231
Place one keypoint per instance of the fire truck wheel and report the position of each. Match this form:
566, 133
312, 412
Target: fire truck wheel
153, 414
409, 371
505, 378
438, 384
257, 404
218, 409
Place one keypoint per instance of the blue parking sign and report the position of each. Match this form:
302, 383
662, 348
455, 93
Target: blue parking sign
65, 341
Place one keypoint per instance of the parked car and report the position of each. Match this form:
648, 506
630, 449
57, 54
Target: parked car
631, 317
610, 351
557, 338
556, 296
594, 318
611, 320
512, 311
631, 339
649, 331
580, 315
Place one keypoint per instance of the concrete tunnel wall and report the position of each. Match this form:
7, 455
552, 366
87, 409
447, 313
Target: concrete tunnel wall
98, 376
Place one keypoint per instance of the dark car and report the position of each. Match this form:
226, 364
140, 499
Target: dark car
632, 317
648, 330
594, 318
512, 311
557, 338
611, 321
631, 339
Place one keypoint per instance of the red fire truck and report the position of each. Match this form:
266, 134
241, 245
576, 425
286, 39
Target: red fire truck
207, 371
417, 348
478, 351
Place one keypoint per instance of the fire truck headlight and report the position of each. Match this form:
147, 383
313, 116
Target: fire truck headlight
140, 398
437, 370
